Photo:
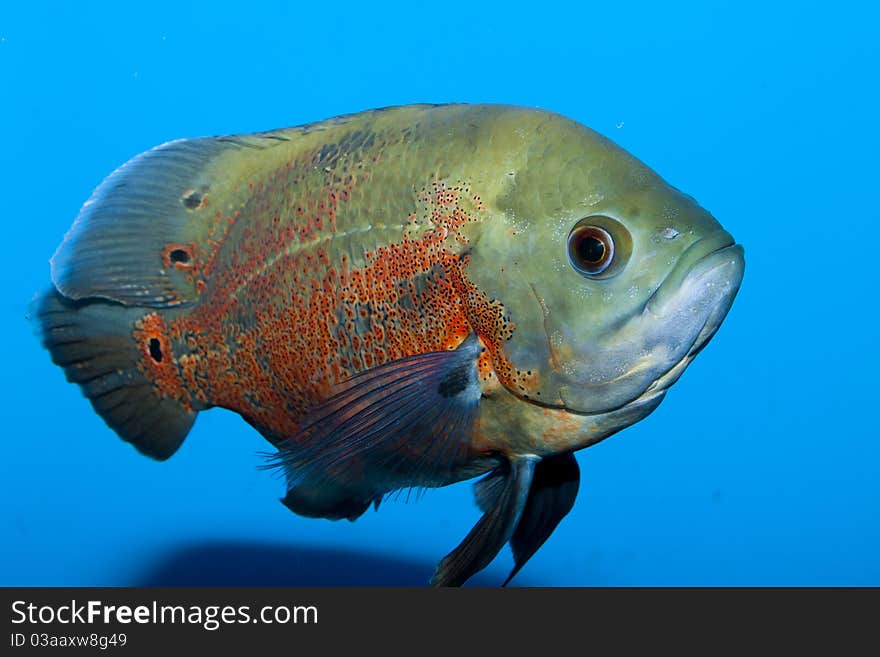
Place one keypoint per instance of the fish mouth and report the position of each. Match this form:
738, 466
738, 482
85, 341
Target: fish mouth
715, 279
698, 259
676, 322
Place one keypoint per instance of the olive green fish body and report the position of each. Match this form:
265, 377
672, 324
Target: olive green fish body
399, 298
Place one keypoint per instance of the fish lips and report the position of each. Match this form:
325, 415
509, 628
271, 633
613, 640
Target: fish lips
715, 279
649, 352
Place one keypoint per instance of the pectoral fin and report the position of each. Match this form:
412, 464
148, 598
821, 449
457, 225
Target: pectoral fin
494, 529
403, 424
552, 495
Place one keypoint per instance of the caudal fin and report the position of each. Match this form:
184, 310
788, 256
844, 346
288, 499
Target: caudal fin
92, 341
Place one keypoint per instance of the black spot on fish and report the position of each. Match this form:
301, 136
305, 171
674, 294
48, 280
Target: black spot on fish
455, 382
155, 350
179, 255
191, 200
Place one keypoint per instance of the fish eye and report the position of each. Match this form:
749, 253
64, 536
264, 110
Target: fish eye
590, 249
598, 247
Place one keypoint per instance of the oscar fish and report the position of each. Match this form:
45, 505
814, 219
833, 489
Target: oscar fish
396, 299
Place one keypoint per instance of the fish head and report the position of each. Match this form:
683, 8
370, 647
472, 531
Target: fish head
612, 279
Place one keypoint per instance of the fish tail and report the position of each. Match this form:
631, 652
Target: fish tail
92, 340
130, 256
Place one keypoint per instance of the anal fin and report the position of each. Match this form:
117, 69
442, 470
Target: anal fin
92, 340
332, 503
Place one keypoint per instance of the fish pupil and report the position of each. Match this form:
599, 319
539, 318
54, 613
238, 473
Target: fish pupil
591, 250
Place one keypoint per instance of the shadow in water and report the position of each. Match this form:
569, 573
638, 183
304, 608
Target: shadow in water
239, 563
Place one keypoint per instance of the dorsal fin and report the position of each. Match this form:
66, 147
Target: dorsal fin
118, 245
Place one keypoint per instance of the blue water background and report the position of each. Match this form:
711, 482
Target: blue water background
761, 467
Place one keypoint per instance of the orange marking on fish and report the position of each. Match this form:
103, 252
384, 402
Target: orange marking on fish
157, 362
283, 315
